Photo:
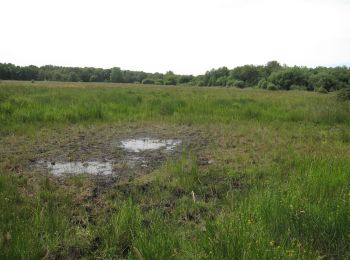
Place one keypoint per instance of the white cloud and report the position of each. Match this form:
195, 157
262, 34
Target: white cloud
186, 36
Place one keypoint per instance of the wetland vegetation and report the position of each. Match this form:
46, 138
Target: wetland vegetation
271, 76
257, 174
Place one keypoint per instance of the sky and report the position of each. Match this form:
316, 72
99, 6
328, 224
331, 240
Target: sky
184, 36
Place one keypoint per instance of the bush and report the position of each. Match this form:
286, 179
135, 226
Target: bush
93, 78
263, 84
159, 82
344, 94
327, 81
322, 90
148, 81
290, 76
249, 74
235, 83
271, 86
239, 84
184, 79
169, 83
222, 81
230, 82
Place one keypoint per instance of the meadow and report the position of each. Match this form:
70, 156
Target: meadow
266, 174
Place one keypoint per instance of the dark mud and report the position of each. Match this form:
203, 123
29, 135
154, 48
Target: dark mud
106, 152
136, 154
97, 152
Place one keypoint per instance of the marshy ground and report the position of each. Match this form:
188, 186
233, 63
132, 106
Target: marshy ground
237, 174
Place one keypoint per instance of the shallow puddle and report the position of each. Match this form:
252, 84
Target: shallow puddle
154, 152
94, 168
144, 144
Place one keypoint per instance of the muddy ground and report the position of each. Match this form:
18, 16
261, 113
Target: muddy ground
28, 156
34, 155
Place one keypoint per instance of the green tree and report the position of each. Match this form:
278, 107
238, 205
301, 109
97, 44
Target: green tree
249, 74
272, 66
287, 77
73, 77
116, 75
326, 80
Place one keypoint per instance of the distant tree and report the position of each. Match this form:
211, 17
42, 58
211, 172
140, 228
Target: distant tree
221, 81
170, 78
249, 74
282, 77
7, 71
326, 80
239, 84
73, 77
57, 76
211, 77
263, 84
84, 74
344, 94
200, 81
28, 73
106, 75
322, 90
183, 79
272, 66
116, 75
148, 81
271, 86
287, 77
94, 78
159, 82
342, 74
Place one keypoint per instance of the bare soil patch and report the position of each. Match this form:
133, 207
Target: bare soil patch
105, 152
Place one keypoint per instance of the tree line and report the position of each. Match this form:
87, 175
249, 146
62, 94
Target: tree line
271, 76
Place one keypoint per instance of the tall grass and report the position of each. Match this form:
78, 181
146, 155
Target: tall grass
32, 227
303, 216
283, 192
22, 105
302, 213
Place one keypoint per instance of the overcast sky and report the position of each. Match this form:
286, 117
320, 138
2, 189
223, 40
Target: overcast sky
185, 36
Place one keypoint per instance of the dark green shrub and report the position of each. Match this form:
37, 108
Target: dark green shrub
230, 82
249, 74
169, 83
326, 80
285, 78
235, 83
322, 90
116, 75
271, 86
93, 78
221, 81
263, 84
148, 81
159, 82
344, 94
184, 79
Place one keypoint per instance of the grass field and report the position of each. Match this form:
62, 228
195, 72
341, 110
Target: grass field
266, 174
